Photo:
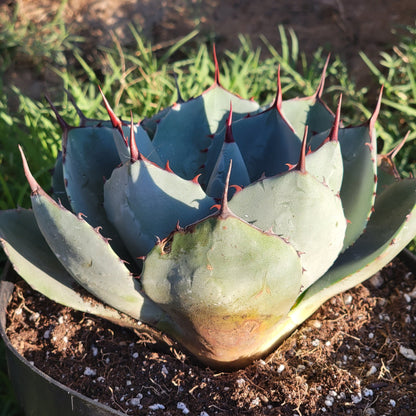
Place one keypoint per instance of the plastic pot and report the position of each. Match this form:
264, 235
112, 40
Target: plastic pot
37, 393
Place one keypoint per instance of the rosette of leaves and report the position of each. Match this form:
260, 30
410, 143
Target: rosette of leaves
217, 221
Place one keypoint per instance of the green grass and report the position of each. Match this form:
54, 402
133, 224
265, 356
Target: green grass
396, 70
142, 79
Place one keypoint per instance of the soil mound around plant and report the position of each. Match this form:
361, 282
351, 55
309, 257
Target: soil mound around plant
354, 356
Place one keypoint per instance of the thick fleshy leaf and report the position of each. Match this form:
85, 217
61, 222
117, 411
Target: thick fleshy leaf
150, 124
184, 134
58, 183
89, 158
324, 158
143, 144
87, 256
267, 143
239, 175
145, 202
224, 284
326, 165
359, 158
391, 227
358, 147
37, 265
296, 206
310, 112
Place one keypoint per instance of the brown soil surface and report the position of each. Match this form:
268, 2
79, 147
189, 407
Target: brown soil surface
354, 356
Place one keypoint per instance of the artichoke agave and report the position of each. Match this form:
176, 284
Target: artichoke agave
219, 222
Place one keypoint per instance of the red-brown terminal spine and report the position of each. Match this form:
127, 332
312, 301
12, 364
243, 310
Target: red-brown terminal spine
217, 67
115, 121
224, 211
320, 89
229, 138
134, 151
301, 165
333, 134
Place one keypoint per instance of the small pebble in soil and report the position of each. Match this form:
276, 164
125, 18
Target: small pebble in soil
317, 324
89, 372
371, 371
34, 317
356, 398
392, 403
182, 406
157, 406
368, 392
347, 299
240, 382
407, 353
329, 401
377, 281
136, 401
280, 368
164, 370
255, 402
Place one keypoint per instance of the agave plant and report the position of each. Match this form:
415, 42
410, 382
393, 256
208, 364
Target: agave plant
221, 223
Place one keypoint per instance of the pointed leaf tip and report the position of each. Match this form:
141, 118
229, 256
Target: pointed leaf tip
333, 134
393, 153
217, 67
389, 157
180, 99
62, 123
279, 96
224, 211
320, 89
374, 116
115, 121
229, 138
337, 121
81, 115
134, 151
34, 186
301, 165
